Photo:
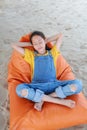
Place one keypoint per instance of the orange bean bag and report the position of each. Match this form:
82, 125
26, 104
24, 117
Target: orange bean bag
23, 116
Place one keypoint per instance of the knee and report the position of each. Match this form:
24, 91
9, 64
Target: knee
77, 87
21, 91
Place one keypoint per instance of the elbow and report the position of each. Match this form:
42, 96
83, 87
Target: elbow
13, 45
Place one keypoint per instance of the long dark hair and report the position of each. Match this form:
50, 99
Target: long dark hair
40, 34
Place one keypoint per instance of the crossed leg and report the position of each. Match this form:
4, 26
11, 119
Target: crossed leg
54, 99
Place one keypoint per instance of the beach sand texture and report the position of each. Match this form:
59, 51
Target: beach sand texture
19, 17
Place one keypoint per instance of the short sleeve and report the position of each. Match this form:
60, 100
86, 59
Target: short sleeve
55, 51
29, 57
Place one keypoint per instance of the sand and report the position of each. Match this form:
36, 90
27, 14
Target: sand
19, 17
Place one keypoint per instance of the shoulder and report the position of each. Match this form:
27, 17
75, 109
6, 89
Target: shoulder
28, 55
28, 52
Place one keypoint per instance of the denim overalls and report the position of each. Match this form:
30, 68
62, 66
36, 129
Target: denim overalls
44, 81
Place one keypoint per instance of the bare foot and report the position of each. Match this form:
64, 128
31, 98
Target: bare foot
38, 105
65, 102
69, 103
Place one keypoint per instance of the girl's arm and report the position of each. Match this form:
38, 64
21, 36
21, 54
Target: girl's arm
20, 46
57, 38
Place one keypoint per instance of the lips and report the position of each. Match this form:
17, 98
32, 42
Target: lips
39, 48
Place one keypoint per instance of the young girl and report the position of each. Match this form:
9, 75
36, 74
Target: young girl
44, 85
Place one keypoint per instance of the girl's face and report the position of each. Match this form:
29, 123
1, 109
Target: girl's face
39, 44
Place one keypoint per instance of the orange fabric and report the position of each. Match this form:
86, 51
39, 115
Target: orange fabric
23, 116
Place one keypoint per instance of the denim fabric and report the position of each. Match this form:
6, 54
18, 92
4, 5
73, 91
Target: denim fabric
64, 91
44, 69
33, 95
44, 81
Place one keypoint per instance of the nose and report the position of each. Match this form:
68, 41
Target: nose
39, 45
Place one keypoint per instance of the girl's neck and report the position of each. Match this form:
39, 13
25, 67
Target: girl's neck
43, 52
